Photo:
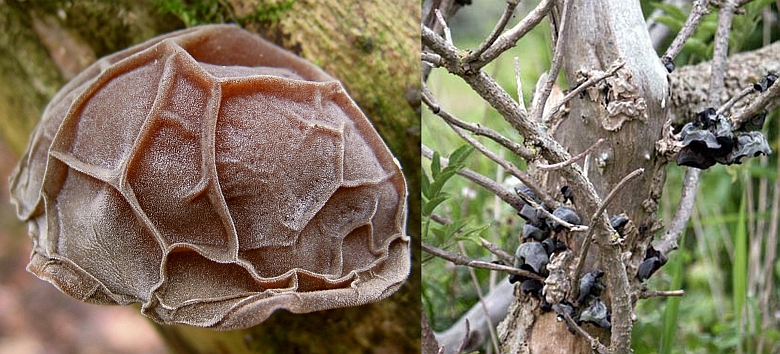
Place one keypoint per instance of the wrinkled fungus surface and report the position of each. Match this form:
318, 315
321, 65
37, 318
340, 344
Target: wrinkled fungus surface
712, 139
214, 178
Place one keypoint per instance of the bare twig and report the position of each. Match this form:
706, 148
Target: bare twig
465, 341
431, 58
510, 167
440, 46
555, 67
500, 253
573, 159
445, 28
440, 219
571, 227
509, 38
594, 343
520, 100
698, 10
758, 104
646, 294
683, 214
494, 187
576, 91
478, 288
500, 25
720, 52
517, 149
586, 243
736, 98
465, 261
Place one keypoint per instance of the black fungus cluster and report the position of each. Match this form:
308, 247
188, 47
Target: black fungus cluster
593, 309
589, 307
538, 242
652, 262
533, 255
712, 139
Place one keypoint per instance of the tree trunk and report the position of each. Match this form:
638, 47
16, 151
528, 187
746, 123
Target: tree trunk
372, 47
629, 115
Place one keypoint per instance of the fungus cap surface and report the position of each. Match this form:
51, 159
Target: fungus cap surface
214, 178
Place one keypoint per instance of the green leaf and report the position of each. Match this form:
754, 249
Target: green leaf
472, 233
434, 202
458, 157
435, 165
672, 311
698, 47
672, 11
671, 22
739, 265
425, 184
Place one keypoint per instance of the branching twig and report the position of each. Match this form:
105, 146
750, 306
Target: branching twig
586, 243
509, 38
573, 159
683, 214
510, 167
571, 227
576, 91
517, 149
431, 58
500, 25
698, 10
594, 343
555, 67
465, 261
487, 183
445, 28
497, 251
646, 294
758, 104
736, 98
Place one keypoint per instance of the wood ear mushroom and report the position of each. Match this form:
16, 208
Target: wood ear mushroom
214, 178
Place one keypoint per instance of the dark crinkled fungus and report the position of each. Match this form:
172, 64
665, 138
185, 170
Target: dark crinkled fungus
534, 232
566, 214
590, 284
214, 178
765, 82
530, 256
597, 313
652, 262
711, 139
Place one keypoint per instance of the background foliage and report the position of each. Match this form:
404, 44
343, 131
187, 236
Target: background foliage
730, 289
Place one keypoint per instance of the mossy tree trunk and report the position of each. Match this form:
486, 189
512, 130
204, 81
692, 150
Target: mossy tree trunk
372, 47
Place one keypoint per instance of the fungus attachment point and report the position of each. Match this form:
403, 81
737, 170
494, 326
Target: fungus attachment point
214, 178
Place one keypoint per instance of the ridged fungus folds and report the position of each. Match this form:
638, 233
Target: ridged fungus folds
214, 178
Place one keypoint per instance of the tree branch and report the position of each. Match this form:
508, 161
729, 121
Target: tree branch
491, 38
466, 261
477, 129
683, 214
509, 38
596, 216
698, 10
487, 183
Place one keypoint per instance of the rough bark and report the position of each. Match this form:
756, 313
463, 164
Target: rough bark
597, 36
372, 47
